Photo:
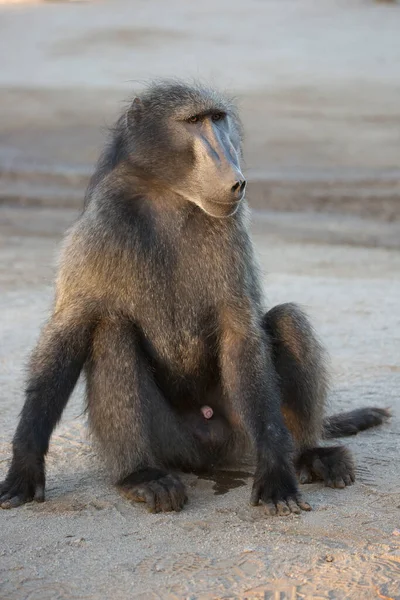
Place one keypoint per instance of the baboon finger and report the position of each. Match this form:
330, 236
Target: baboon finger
269, 508
303, 505
5, 497
141, 493
11, 502
293, 506
339, 483
305, 476
282, 509
347, 479
176, 491
255, 495
39, 494
319, 469
162, 497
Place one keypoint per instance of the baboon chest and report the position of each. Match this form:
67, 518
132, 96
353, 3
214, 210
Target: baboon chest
182, 280
180, 329
179, 314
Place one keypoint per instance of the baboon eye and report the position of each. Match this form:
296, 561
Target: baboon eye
194, 119
217, 116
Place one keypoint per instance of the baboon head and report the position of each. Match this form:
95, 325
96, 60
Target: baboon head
188, 139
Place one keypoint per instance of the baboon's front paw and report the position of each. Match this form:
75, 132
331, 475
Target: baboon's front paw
278, 493
162, 494
21, 486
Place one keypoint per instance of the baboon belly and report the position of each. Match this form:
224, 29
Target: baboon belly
179, 350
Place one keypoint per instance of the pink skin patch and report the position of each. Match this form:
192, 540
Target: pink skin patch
207, 412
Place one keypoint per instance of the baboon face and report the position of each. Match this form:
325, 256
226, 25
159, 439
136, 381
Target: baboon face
189, 140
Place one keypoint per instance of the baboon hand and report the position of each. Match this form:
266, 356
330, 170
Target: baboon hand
277, 491
23, 483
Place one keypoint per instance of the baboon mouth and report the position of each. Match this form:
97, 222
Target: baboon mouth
221, 209
227, 203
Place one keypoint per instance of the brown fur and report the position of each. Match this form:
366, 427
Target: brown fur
158, 301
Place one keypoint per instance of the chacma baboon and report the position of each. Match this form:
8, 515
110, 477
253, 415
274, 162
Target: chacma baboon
158, 299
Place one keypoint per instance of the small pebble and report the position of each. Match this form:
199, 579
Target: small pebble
77, 542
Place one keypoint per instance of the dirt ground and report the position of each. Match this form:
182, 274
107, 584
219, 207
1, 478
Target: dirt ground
86, 541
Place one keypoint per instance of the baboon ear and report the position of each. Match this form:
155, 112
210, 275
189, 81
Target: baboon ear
134, 112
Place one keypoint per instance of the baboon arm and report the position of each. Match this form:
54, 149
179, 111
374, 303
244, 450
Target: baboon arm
54, 369
53, 372
250, 384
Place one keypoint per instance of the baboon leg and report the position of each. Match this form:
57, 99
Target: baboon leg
139, 434
300, 362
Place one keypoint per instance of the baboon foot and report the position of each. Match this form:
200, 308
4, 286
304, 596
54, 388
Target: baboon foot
161, 491
333, 465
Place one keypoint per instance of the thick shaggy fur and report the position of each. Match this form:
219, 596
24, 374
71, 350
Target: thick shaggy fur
158, 300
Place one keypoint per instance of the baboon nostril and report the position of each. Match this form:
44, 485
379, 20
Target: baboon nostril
238, 187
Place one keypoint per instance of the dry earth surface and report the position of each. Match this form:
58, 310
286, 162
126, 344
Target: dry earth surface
86, 541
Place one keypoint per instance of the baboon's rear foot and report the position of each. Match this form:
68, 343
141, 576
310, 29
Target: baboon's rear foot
332, 465
161, 491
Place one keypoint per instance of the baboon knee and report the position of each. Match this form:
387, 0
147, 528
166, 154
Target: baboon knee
290, 327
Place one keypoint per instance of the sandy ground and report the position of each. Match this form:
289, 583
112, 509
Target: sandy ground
86, 541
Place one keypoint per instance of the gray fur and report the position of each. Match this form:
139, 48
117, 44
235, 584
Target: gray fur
158, 299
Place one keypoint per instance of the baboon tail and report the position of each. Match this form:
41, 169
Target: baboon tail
350, 423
